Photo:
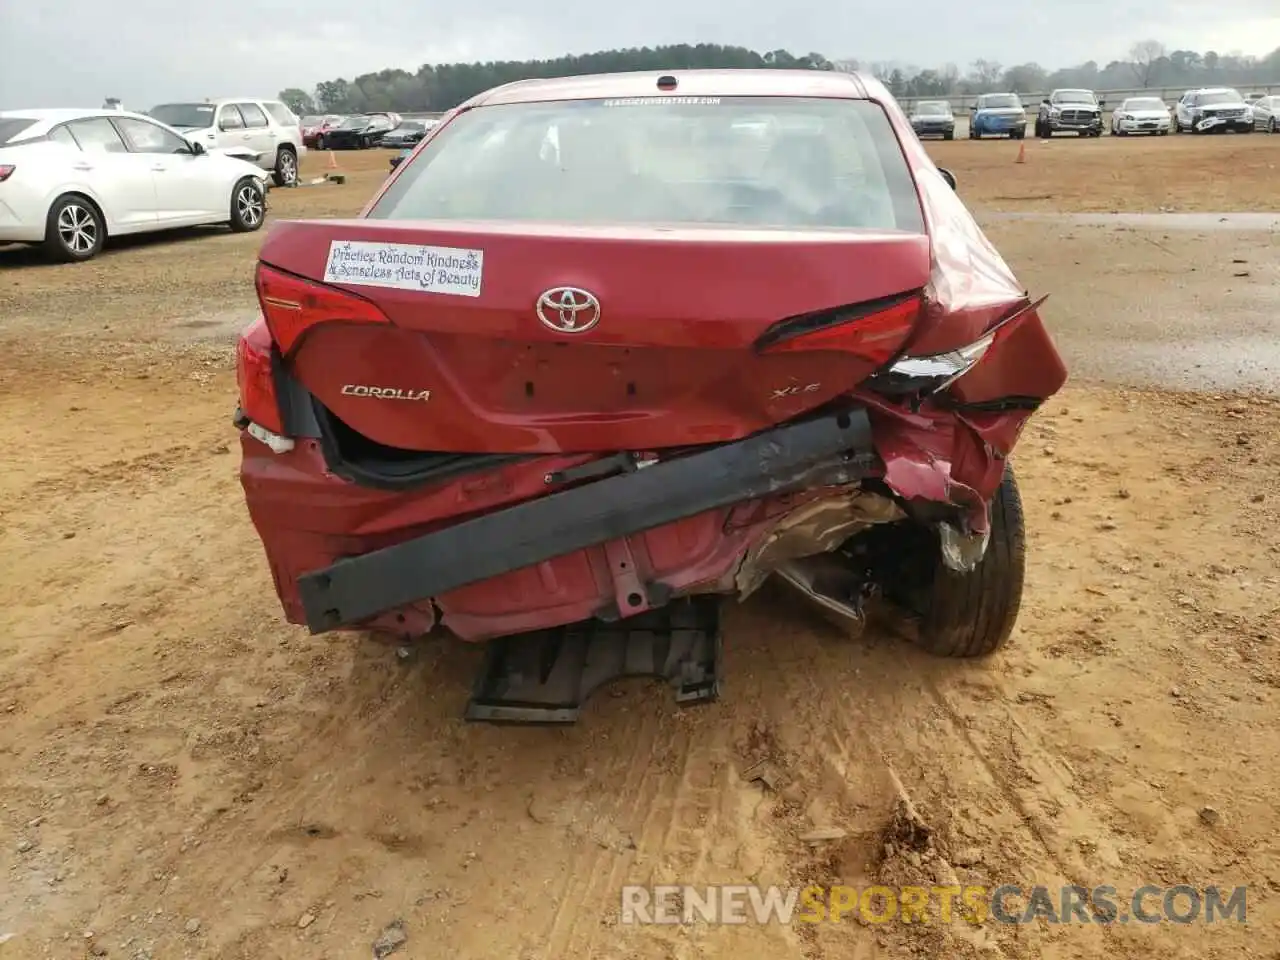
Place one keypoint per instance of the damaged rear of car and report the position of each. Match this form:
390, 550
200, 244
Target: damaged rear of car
592, 349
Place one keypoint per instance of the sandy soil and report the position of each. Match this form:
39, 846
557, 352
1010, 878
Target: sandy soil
185, 776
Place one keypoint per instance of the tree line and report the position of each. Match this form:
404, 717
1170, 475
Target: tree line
442, 86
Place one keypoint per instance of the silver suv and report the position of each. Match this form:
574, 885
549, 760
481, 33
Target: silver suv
1212, 108
264, 131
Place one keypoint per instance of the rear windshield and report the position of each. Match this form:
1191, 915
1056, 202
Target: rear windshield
10, 127
993, 101
737, 161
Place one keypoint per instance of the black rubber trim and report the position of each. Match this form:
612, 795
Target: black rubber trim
294, 400
407, 474
996, 405
355, 589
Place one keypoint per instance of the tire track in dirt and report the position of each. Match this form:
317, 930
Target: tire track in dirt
593, 863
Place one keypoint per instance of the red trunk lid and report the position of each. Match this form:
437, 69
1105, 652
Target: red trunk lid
670, 361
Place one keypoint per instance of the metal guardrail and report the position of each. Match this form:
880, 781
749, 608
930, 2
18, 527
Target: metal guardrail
1110, 98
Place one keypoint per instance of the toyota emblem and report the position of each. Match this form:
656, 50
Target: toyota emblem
568, 309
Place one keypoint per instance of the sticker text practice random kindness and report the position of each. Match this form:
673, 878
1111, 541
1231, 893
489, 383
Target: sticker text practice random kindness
406, 266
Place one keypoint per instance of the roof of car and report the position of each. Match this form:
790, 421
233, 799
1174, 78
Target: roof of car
689, 83
51, 117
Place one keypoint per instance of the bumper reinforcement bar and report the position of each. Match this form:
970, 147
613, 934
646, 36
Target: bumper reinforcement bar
354, 589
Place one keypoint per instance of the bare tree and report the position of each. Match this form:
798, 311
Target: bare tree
1143, 57
987, 73
950, 75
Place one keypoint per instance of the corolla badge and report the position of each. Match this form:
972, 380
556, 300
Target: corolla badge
384, 393
568, 309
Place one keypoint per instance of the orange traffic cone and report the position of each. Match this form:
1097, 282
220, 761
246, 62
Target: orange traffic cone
1022, 153
333, 162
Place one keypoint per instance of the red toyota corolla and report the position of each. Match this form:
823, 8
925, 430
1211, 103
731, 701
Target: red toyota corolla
607, 348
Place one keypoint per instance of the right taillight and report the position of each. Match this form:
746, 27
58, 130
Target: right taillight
292, 306
873, 331
932, 373
6, 171
255, 376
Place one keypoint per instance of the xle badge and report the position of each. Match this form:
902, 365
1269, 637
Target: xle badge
795, 390
384, 393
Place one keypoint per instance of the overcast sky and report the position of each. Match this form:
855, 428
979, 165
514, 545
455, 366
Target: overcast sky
77, 52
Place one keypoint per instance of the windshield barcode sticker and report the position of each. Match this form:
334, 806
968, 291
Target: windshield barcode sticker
406, 266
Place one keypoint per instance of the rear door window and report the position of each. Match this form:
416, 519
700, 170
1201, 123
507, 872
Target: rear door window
770, 162
97, 135
254, 118
63, 136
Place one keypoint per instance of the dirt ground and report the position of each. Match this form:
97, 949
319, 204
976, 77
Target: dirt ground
183, 775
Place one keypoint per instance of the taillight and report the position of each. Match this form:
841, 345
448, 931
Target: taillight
255, 377
292, 306
6, 171
874, 330
932, 373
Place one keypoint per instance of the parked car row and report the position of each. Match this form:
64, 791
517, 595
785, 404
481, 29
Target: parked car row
1080, 112
362, 130
71, 178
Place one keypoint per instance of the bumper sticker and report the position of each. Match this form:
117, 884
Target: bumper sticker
406, 266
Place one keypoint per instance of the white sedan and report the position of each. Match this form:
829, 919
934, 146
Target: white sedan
1141, 115
71, 178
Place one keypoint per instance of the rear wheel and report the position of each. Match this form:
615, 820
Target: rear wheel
248, 206
286, 169
74, 230
969, 614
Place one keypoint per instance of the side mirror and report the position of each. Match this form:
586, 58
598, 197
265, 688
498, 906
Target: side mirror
1045, 101
197, 150
948, 176
1101, 104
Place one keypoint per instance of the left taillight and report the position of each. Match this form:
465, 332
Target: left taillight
6, 171
873, 331
293, 306
255, 376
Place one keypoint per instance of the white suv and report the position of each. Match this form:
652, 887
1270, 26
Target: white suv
265, 130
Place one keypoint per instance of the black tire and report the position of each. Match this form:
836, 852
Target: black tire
972, 614
74, 230
286, 169
248, 206
951, 135
1019, 134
